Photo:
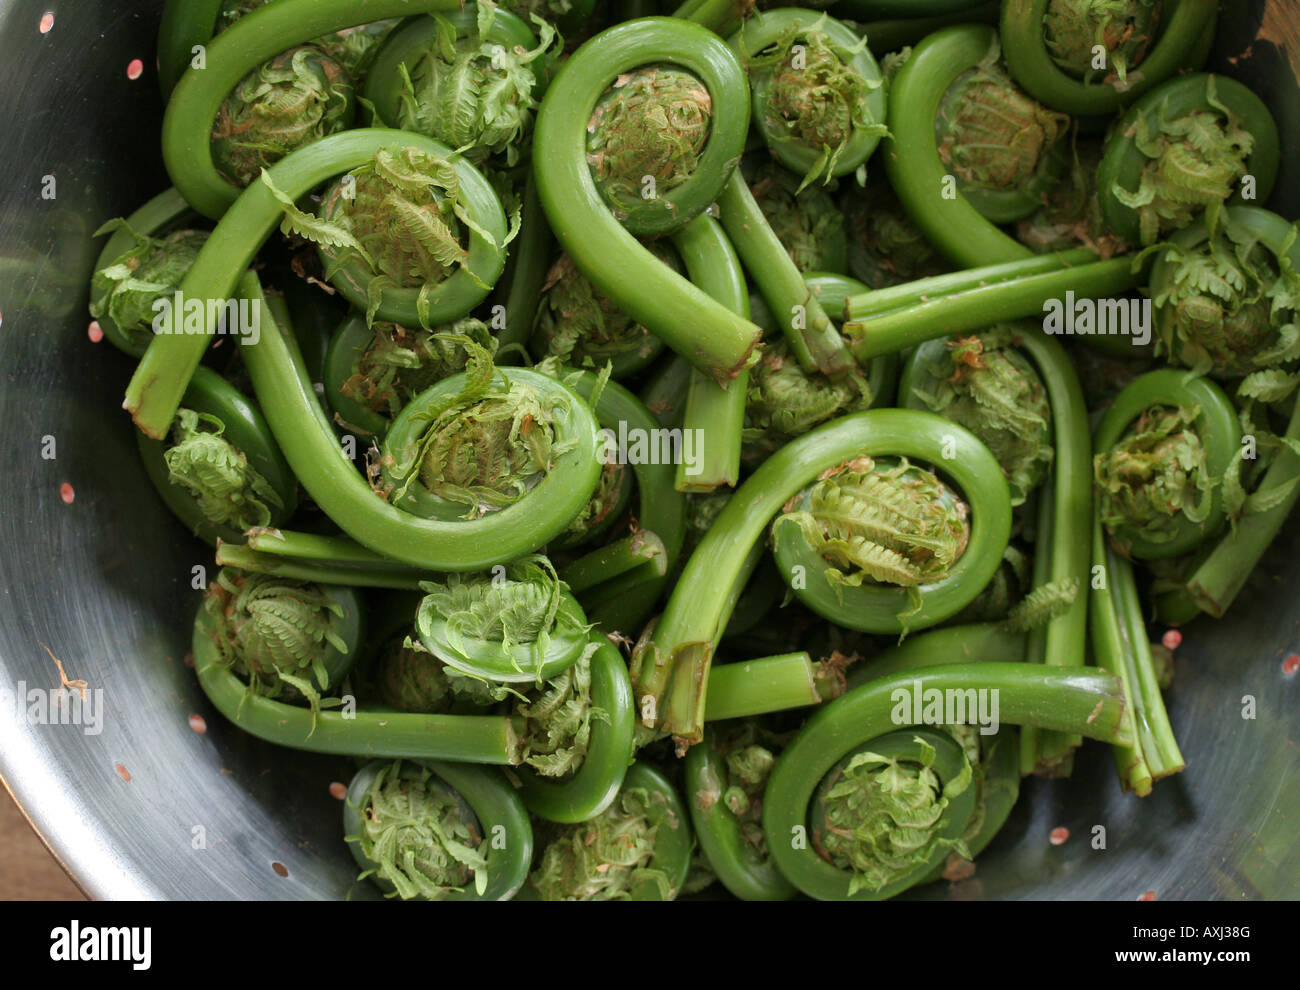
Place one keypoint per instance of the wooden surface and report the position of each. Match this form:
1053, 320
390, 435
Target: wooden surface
27, 870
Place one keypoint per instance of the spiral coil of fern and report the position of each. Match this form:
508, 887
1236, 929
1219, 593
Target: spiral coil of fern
1225, 298
671, 676
296, 97
390, 235
441, 541
1164, 447
432, 830
156, 387
237, 51
992, 756
221, 472
371, 372
483, 443
818, 95
469, 78
601, 246
593, 787
1144, 45
513, 627
145, 259
887, 548
1183, 148
367, 730
638, 849
283, 639
925, 770
574, 730
1003, 148
954, 226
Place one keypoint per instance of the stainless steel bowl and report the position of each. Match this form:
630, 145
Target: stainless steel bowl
101, 574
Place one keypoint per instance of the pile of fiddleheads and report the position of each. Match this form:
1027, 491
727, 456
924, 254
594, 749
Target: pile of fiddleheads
694, 391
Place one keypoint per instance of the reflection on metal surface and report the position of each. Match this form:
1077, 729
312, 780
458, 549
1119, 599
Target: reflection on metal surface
150, 807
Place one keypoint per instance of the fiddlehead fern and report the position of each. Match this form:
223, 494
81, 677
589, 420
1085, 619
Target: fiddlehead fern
229, 491
597, 241
1227, 300
985, 384
468, 78
1183, 149
1124, 28
220, 471
579, 778
784, 401
1002, 145
156, 388
144, 260
651, 124
671, 679
639, 848
478, 443
1092, 56
957, 227
512, 626
371, 373
394, 231
871, 524
437, 831
818, 93
884, 811
1163, 449
918, 769
283, 638
297, 97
